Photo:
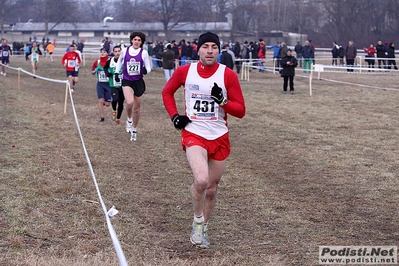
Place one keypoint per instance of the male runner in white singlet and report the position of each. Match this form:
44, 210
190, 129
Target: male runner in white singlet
211, 92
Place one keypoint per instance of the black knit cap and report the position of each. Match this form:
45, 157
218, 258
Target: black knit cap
208, 37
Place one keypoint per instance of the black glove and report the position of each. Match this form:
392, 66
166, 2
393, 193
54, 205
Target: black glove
180, 121
117, 79
109, 74
217, 95
144, 71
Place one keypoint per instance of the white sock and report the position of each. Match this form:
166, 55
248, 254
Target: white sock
130, 120
134, 129
199, 219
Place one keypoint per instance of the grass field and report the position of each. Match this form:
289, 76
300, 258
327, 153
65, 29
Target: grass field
304, 171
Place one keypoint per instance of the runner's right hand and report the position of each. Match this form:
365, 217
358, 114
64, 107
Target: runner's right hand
180, 121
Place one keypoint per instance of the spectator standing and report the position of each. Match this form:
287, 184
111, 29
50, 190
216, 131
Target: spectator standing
350, 55
175, 49
238, 57
81, 45
189, 52
370, 55
183, 52
216, 92
157, 48
194, 53
107, 45
77, 64
262, 55
225, 57
276, 55
314, 49
298, 51
245, 51
381, 54
150, 51
334, 52
288, 64
283, 50
308, 56
386, 49
168, 63
254, 52
341, 55
45, 49
27, 51
391, 56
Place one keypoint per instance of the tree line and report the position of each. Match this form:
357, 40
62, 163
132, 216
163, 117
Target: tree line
323, 21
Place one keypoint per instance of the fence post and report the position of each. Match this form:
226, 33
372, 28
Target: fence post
19, 78
310, 83
66, 95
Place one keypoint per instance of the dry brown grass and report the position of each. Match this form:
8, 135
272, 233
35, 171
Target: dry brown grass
304, 171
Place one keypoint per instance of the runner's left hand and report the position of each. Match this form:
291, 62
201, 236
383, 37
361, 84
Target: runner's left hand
217, 94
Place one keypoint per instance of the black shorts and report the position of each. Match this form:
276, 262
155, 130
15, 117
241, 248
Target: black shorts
138, 86
71, 73
5, 60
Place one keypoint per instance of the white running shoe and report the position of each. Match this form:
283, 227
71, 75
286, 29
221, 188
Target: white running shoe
4, 74
1, 73
129, 126
205, 241
133, 136
197, 234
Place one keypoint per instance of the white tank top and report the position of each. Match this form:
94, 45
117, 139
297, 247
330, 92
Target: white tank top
208, 119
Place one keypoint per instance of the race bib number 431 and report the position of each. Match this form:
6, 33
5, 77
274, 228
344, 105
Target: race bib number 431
202, 107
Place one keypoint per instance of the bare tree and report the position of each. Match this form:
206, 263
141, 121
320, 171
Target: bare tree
6, 7
54, 11
248, 16
393, 15
96, 10
169, 12
127, 10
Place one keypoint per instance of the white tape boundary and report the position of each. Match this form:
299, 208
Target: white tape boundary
246, 66
112, 211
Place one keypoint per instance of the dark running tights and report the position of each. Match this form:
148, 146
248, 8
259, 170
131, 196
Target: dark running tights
120, 105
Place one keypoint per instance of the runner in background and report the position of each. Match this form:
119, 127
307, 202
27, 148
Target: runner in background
5, 51
103, 88
34, 53
136, 62
71, 60
116, 87
50, 49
